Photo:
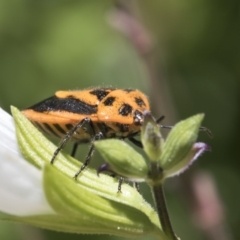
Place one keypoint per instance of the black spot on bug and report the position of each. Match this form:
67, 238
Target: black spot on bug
140, 102
72, 105
39, 126
70, 96
69, 126
104, 129
109, 101
59, 128
50, 129
125, 109
100, 93
123, 127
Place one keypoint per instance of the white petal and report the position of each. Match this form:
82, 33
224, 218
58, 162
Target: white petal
21, 188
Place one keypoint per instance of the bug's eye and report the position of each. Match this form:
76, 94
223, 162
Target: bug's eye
138, 117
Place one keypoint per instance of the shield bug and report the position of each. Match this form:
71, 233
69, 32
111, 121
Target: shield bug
88, 115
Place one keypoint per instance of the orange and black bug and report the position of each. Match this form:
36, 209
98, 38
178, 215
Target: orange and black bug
89, 115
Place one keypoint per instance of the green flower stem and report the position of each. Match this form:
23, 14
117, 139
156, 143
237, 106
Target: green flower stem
158, 195
156, 186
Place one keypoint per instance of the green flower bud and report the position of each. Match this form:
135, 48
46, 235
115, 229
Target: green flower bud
178, 149
123, 159
151, 137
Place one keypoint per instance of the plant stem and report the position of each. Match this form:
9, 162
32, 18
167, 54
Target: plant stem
159, 198
162, 211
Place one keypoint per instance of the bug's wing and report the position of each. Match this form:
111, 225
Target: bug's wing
62, 117
60, 110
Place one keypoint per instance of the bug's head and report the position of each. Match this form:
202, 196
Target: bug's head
123, 107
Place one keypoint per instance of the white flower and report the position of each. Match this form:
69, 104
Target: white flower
21, 190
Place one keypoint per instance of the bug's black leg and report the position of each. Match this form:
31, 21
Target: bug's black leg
68, 137
204, 129
136, 142
74, 150
136, 186
120, 182
90, 153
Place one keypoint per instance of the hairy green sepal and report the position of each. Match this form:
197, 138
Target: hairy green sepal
123, 159
151, 138
178, 148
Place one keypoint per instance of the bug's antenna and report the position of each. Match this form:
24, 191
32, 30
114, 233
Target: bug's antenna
203, 129
208, 131
168, 127
160, 119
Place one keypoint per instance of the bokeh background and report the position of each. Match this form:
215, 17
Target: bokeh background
183, 54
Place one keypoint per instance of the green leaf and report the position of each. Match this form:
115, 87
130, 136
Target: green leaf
34, 146
179, 143
99, 214
123, 159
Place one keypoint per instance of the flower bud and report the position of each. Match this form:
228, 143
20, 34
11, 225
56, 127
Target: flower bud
178, 149
151, 137
122, 159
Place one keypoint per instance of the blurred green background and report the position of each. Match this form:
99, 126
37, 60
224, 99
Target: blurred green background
183, 54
